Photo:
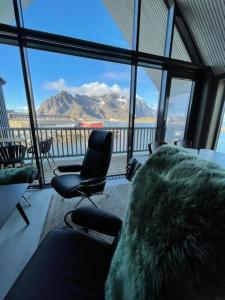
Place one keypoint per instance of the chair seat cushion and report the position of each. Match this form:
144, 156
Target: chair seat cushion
67, 265
18, 175
65, 184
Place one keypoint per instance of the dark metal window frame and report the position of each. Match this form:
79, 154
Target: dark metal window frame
26, 38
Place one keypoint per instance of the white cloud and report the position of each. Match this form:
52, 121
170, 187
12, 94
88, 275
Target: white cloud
22, 108
116, 75
90, 89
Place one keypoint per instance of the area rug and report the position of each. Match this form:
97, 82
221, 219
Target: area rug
116, 203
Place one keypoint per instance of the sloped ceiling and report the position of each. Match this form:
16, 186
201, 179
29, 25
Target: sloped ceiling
206, 22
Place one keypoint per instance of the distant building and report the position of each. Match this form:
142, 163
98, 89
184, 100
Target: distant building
25, 116
4, 122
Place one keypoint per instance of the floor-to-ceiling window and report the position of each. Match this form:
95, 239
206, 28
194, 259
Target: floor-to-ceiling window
146, 110
92, 20
221, 140
15, 132
77, 80
179, 101
73, 95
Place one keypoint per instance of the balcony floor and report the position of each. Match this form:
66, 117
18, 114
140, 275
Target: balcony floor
117, 165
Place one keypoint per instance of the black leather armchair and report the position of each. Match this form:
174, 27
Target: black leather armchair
152, 147
93, 171
70, 264
183, 143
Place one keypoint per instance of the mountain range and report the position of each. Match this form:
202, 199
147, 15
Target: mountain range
108, 107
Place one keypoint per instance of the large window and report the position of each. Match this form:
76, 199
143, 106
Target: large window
146, 110
15, 131
84, 85
221, 141
107, 22
7, 12
73, 95
179, 100
153, 26
179, 50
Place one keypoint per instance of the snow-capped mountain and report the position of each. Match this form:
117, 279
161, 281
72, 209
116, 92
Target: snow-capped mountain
107, 107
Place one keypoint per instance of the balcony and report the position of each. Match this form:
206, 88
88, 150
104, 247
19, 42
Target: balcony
69, 145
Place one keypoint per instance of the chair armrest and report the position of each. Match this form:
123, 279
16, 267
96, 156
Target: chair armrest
93, 181
68, 168
95, 219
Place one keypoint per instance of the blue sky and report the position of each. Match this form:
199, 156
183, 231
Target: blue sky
51, 72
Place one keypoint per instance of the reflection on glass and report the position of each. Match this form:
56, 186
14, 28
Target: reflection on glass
7, 15
147, 98
12, 87
179, 50
73, 95
180, 96
7, 12
221, 141
153, 26
15, 133
107, 22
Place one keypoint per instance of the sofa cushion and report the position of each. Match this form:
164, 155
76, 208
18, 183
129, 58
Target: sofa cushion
67, 265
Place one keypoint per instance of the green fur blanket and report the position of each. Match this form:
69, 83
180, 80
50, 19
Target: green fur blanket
172, 245
18, 175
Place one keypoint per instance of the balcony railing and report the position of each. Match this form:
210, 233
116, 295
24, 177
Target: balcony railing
69, 141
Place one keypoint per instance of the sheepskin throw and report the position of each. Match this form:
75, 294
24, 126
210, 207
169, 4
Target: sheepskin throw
172, 245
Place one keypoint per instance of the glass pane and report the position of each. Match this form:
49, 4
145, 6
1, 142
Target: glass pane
179, 99
153, 26
179, 50
14, 120
221, 141
7, 12
7, 15
73, 95
147, 98
107, 22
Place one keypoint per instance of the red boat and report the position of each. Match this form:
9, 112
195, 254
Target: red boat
91, 124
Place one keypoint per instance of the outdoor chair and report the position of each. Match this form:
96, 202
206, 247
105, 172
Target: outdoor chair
92, 177
11, 155
152, 147
183, 143
44, 147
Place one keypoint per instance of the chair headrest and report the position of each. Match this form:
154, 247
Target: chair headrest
100, 140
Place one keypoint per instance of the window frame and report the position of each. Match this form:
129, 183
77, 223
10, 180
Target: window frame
25, 38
